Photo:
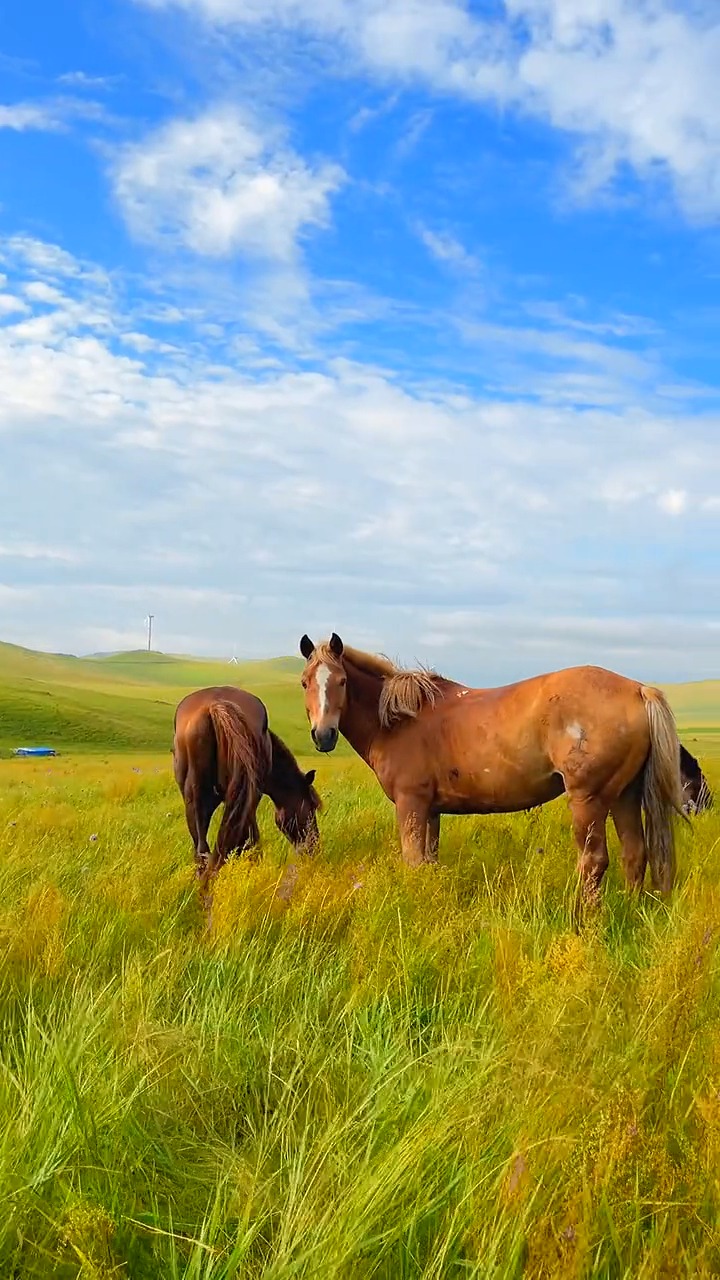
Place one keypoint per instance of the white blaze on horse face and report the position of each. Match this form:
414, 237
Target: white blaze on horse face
322, 676
575, 731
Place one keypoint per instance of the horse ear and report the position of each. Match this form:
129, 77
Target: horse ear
336, 645
310, 777
307, 648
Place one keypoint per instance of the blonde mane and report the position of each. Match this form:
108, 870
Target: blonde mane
373, 664
404, 693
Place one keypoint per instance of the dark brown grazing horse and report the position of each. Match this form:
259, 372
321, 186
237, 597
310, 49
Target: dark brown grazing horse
225, 751
696, 792
440, 747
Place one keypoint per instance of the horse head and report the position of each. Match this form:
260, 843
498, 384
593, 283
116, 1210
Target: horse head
325, 687
296, 815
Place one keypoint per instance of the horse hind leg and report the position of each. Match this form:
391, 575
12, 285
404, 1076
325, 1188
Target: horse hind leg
232, 839
588, 822
199, 809
188, 790
627, 819
432, 839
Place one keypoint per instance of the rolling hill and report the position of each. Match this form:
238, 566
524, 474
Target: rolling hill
126, 701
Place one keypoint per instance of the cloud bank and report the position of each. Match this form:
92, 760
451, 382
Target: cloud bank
244, 505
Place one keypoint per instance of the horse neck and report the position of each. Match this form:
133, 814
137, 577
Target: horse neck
360, 720
275, 788
283, 782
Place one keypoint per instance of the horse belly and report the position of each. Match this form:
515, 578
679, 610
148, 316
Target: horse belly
503, 787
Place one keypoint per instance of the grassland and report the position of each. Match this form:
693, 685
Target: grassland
384, 1073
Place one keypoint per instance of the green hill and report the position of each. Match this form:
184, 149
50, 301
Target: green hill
126, 701
191, 673
696, 705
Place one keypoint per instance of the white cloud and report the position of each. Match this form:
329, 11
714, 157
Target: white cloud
636, 84
561, 348
24, 116
618, 326
251, 504
367, 115
10, 304
47, 116
417, 126
637, 81
447, 249
219, 185
82, 80
33, 551
39, 258
673, 502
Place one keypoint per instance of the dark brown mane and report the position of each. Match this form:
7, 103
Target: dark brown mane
286, 772
405, 691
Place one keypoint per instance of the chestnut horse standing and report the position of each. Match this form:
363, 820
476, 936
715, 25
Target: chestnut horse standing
225, 751
440, 747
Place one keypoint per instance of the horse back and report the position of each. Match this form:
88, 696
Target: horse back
195, 746
194, 705
547, 702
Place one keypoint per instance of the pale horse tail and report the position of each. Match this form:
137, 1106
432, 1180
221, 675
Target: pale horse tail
662, 795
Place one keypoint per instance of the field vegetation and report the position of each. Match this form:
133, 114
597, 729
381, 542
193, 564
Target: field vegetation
360, 1070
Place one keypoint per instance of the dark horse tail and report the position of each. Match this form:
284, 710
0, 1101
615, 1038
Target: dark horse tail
238, 750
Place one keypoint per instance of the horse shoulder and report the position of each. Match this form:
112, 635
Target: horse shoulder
403, 758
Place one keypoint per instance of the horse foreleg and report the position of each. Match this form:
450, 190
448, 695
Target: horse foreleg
432, 840
412, 817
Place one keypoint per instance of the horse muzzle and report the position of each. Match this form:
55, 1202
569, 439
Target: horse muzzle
324, 739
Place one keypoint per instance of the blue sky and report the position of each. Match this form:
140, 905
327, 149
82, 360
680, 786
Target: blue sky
397, 319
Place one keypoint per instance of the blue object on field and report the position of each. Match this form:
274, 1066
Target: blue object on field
34, 751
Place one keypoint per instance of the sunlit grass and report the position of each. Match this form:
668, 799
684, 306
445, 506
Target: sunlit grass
360, 1070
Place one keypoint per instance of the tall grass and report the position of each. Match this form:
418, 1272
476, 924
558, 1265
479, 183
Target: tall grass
361, 1070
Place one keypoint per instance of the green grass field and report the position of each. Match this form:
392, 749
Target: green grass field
384, 1072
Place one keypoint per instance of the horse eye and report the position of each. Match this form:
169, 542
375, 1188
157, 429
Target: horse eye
304, 683
343, 682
